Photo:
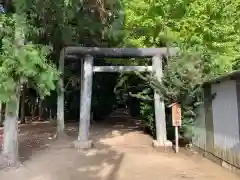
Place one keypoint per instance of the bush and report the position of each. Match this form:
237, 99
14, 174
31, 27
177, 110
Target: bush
182, 80
147, 115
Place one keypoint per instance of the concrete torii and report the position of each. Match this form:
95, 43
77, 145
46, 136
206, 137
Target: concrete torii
88, 68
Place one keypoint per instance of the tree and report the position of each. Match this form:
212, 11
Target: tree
208, 28
21, 62
182, 83
87, 23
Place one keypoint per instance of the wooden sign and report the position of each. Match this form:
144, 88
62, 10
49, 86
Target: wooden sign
176, 122
176, 114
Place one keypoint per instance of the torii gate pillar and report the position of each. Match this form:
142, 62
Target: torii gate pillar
83, 141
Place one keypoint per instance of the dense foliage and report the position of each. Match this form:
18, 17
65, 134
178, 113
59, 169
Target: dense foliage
24, 63
210, 27
207, 33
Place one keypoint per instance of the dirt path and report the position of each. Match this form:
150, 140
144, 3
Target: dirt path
120, 153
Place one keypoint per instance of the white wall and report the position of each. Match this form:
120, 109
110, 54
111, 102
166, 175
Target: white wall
199, 138
225, 115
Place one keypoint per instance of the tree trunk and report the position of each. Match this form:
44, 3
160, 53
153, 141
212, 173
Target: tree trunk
10, 136
22, 106
3, 110
40, 109
60, 100
1, 119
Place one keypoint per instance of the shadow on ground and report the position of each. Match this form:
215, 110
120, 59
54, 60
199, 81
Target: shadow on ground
32, 138
35, 138
46, 159
66, 164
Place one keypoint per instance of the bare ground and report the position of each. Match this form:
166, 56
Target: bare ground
121, 152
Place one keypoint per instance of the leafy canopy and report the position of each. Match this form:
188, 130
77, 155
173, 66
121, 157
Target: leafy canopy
207, 32
26, 63
208, 26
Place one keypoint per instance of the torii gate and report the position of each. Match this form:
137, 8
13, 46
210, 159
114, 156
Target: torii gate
88, 68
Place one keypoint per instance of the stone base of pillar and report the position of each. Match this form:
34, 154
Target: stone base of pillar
83, 144
167, 146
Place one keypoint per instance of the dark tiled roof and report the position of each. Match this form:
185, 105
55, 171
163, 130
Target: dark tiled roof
231, 76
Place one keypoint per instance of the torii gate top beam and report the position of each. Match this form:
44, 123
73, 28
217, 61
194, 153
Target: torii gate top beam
119, 52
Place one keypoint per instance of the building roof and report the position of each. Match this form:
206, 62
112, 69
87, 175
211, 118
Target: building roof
230, 76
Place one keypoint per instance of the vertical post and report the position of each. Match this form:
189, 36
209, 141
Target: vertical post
40, 109
176, 139
22, 104
1, 119
176, 122
85, 109
81, 94
160, 118
60, 99
82, 76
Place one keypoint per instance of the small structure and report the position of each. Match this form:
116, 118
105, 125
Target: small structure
87, 55
217, 130
176, 122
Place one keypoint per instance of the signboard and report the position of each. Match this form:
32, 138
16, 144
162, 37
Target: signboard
176, 114
176, 122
